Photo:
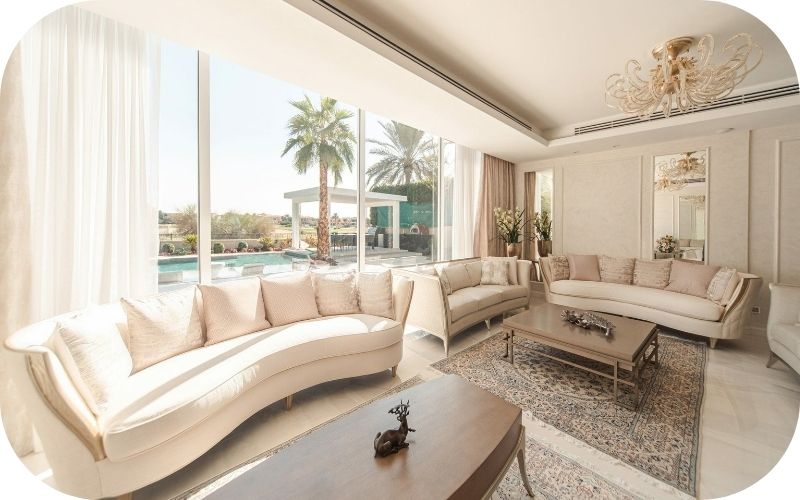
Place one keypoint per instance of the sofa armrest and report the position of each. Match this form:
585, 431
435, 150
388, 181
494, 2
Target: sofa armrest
428, 308
402, 291
743, 295
784, 303
524, 273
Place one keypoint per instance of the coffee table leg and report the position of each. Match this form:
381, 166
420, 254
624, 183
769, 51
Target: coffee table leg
506, 339
521, 462
511, 346
616, 380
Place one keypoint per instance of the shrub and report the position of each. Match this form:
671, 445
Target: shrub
266, 243
242, 246
311, 240
217, 248
168, 248
191, 240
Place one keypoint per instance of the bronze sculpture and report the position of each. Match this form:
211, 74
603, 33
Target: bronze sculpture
588, 320
392, 441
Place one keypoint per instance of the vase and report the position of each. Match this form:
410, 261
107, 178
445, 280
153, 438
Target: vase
512, 249
545, 247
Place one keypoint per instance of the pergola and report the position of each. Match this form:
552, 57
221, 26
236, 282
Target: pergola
348, 196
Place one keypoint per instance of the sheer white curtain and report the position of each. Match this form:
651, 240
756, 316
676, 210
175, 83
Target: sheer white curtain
91, 96
466, 189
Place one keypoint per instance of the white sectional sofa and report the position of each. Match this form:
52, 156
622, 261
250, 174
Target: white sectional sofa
680, 311
446, 309
164, 416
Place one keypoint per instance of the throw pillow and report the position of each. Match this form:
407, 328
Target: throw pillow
651, 273
336, 293
233, 308
691, 279
722, 286
163, 326
375, 294
494, 272
583, 267
512, 268
616, 269
559, 266
98, 360
475, 270
454, 277
289, 298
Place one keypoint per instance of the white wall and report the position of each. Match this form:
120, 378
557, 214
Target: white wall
603, 202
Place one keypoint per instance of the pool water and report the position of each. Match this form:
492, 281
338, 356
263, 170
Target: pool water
230, 260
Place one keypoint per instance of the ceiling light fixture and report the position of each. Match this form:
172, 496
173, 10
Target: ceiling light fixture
680, 79
674, 174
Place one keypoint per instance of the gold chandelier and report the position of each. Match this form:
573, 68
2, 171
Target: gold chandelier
680, 79
674, 174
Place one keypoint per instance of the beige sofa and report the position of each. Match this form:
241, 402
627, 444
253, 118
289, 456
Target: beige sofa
447, 314
687, 313
783, 325
166, 415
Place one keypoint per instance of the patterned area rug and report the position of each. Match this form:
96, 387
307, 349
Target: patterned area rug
661, 438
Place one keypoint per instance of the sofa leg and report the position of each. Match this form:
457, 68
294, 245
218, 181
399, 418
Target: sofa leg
289, 402
488, 323
772, 359
712, 343
394, 371
446, 347
125, 496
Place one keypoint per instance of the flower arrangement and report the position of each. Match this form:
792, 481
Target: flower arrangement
510, 224
542, 225
666, 244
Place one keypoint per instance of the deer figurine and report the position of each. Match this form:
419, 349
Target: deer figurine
392, 440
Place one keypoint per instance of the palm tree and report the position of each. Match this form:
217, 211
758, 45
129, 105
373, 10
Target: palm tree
321, 136
407, 156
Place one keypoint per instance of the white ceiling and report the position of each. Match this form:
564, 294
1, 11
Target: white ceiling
544, 60
547, 61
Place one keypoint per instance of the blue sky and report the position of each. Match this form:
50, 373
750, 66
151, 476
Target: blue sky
249, 113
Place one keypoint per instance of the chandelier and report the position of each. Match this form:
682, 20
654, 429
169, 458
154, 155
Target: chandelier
674, 174
680, 79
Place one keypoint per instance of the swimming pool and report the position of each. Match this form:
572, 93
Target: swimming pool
231, 260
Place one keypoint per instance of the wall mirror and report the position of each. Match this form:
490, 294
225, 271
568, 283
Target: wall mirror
680, 205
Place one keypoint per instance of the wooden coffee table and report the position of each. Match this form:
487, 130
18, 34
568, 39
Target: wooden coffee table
465, 441
632, 344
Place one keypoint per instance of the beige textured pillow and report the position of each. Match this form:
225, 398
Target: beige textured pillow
475, 270
336, 293
494, 272
163, 326
375, 294
99, 361
583, 267
616, 269
233, 308
722, 286
512, 268
454, 277
691, 279
289, 298
651, 273
559, 267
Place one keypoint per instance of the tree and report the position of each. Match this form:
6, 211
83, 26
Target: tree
405, 156
321, 137
186, 220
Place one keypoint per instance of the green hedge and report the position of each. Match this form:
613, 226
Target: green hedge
417, 210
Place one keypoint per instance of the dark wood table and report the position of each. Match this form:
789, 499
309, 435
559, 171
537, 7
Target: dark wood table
465, 441
631, 345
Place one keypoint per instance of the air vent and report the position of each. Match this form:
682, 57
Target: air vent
410, 56
761, 95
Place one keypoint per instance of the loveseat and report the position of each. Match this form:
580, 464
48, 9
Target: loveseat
689, 310
162, 414
450, 297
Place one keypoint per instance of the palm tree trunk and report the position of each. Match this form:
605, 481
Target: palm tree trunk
323, 229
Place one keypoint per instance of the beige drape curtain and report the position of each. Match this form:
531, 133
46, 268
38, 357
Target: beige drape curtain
15, 272
497, 190
529, 246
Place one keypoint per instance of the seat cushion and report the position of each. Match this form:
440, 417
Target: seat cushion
170, 397
787, 335
509, 292
468, 300
662, 300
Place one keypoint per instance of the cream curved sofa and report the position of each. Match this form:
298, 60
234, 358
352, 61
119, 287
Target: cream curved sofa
687, 313
174, 411
446, 315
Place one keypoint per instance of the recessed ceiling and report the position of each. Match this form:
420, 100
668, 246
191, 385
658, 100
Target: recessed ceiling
547, 61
